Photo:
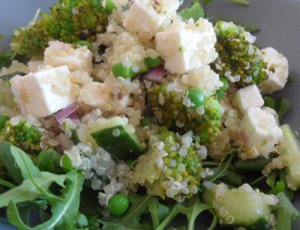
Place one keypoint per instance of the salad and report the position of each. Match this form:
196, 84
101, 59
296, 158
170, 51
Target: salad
123, 114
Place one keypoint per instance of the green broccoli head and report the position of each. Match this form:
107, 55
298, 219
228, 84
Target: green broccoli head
185, 111
171, 167
69, 21
23, 135
239, 60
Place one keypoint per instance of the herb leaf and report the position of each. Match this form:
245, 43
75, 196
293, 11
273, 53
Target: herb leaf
48, 160
16, 161
195, 11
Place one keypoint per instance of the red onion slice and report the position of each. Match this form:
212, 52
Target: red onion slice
68, 112
155, 75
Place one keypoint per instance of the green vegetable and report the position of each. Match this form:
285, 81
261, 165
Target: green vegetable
86, 44
255, 165
110, 6
270, 102
282, 106
152, 63
285, 213
196, 96
171, 110
23, 135
169, 159
119, 70
68, 21
3, 120
240, 207
118, 139
290, 149
48, 160
36, 185
118, 204
195, 11
190, 209
238, 58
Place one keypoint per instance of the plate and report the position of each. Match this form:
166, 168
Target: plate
279, 27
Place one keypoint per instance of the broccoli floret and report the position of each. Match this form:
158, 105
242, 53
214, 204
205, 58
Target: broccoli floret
171, 167
69, 21
174, 110
23, 135
239, 59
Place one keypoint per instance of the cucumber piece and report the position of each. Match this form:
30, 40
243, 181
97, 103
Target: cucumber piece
290, 149
118, 138
241, 207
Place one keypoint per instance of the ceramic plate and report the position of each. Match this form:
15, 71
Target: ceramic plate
278, 21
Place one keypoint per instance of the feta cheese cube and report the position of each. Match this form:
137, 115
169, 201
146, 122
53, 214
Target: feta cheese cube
142, 19
186, 46
248, 97
43, 93
277, 69
59, 54
203, 78
260, 130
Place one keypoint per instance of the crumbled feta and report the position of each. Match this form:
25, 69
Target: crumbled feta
248, 97
203, 78
260, 130
277, 69
186, 46
43, 93
94, 94
35, 66
59, 54
142, 19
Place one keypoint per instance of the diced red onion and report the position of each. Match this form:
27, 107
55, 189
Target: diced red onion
155, 75
68, 112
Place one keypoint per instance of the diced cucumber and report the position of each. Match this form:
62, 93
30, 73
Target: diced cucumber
290, 149
241, 207
118, 138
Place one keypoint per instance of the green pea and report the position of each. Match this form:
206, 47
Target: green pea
196, 96
119, 70
152, 63
118, 204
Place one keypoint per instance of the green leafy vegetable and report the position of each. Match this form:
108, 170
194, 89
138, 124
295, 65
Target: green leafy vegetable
282, 106
195, 11
191, 210
17, 162
48, 160
286, 213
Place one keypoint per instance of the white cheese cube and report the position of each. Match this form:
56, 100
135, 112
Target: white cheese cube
186, 46
248, 97
59, 54
203, 78
35, 66
43, 93
277, 69
142, 19
260, 130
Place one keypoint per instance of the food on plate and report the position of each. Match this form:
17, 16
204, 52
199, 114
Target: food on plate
123, 114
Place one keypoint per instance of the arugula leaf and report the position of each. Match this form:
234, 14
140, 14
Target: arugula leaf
158, 212
195, 11
64, 210
222, 169
286, 213
6, 183
138, 208
27, 190
18, 163
191, 210
48, 160
66, 163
